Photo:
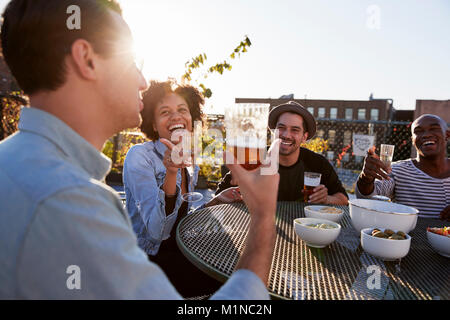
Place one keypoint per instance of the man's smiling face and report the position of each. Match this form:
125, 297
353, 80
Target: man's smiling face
429, 136
291, 131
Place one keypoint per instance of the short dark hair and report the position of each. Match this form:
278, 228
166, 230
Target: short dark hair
35, 38
441, 122
157, 91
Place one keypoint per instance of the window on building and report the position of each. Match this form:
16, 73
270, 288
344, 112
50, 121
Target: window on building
311, 110
330, 155
321, 113
347, 138
331, 136
348, 114
361, 114
320, 133
374, 114
333, 113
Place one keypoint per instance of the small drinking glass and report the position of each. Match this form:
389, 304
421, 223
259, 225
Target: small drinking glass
311, 180
191, 196
386, 154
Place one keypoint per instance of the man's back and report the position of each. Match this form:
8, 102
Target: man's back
57, 218
27, 178
36, 166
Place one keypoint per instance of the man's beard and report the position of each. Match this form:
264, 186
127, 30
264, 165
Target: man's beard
289, 151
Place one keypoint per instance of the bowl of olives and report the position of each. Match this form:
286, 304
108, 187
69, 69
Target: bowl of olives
385, 244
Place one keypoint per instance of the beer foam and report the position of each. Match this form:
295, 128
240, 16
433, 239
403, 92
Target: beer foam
311, 182
247, 142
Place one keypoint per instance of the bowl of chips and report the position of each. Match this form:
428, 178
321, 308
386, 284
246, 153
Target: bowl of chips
324, 212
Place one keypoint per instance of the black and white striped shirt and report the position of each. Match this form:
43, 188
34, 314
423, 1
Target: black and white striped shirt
412, 187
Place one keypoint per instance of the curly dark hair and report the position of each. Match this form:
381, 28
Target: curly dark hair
157, 91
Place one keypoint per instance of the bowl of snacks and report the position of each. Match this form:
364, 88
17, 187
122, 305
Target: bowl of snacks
324, 212
386, 244
439, 239
367, 213
317, 233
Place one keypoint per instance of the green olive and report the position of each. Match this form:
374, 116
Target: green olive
402, 234
396, 237
380, 234
375, 231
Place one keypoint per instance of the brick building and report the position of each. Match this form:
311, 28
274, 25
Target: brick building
372, 109
338, 120
440, 108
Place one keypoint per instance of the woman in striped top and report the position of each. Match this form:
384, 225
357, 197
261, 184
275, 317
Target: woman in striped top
424, 182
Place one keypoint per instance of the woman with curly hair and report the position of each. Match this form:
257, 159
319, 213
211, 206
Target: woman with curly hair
154, 183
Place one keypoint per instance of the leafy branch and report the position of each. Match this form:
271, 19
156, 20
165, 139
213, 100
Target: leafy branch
200, 60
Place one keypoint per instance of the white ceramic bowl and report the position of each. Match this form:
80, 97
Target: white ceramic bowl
314, 237
385, 249
366, 213
314, 212
439, 243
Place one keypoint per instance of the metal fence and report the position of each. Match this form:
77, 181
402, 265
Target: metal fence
339, 136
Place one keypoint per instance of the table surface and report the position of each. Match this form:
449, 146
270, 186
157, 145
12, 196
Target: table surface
214, 238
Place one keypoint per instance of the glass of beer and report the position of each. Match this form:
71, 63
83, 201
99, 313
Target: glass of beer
311, 180
386, 154
246, 133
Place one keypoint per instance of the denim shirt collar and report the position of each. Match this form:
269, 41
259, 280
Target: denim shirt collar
76, 148
160, 148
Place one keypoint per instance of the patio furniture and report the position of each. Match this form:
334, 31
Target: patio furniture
214, 238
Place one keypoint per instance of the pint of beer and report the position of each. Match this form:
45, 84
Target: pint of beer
246, 133
249, 152
311, 180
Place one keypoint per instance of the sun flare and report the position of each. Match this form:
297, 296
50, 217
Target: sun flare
150, 42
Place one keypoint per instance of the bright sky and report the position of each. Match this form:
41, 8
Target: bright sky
322, 49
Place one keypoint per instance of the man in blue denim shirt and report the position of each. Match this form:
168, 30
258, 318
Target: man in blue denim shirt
63, 233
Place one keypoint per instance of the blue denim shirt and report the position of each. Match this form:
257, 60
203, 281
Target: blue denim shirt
64, 234
143, 176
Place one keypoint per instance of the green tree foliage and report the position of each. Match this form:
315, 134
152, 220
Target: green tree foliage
196, 63
10, 105
317, 145
117, 147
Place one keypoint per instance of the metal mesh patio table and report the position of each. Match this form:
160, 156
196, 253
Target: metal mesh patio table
214, 238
